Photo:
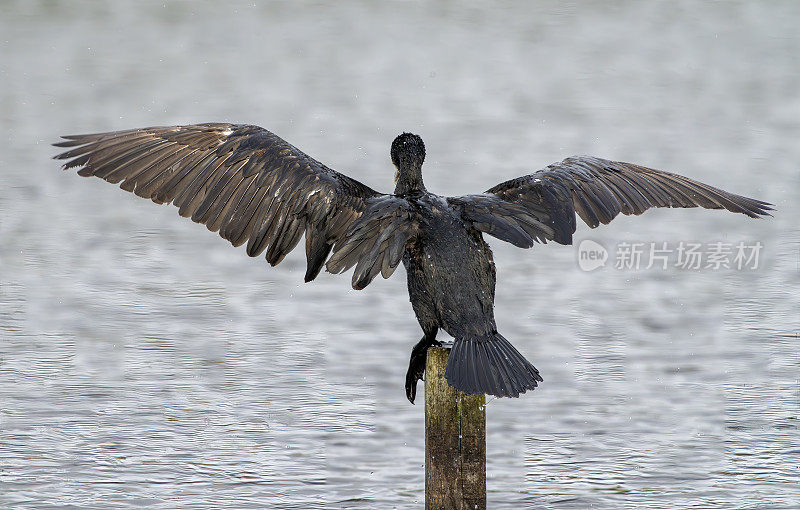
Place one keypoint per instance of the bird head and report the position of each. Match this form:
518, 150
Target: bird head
408, 154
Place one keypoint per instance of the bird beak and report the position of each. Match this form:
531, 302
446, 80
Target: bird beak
396, 175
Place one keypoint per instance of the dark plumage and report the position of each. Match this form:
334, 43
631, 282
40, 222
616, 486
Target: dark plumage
254, 187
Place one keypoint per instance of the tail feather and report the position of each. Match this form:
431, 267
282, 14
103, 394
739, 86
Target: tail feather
490, 365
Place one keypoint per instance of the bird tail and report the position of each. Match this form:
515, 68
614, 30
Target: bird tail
489, 365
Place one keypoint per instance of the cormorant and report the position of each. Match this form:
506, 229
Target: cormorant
254, 187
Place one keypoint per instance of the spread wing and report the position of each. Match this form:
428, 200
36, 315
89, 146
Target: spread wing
598, 190
240, 180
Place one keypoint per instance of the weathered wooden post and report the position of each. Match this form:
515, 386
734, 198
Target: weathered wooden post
455, 441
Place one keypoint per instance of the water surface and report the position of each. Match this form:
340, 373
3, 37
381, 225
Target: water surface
145, 362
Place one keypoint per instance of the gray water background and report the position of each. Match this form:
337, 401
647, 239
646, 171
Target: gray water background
146, 363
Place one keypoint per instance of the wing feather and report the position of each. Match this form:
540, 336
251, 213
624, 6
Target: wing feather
376, 241
598, 190
508, 221
240, 180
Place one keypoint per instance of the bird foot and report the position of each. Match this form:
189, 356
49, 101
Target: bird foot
416, 366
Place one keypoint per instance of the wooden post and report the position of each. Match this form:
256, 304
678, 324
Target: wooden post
455, 441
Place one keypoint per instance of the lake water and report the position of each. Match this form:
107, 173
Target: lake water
146, 363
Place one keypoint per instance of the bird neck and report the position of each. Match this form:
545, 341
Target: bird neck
409, 181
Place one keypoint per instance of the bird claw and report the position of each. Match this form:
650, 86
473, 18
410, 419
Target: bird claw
416, 366
416, 370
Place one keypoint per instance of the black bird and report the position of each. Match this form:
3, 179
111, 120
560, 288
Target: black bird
254, 187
